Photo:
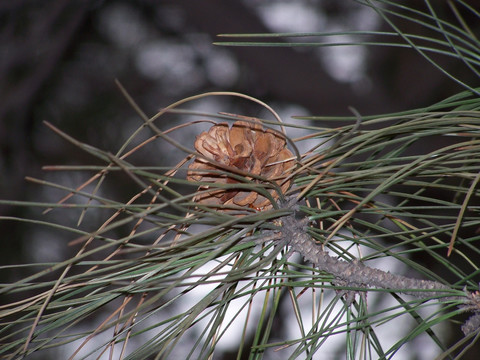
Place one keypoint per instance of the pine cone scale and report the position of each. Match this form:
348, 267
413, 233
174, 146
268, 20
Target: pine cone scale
247, 147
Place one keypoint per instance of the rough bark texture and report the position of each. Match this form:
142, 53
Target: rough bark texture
358, 275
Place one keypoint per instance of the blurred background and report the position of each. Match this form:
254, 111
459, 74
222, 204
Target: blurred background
59, 60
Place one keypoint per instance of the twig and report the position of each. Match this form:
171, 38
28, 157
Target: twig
355, 274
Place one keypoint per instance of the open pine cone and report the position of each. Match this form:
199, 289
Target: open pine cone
247, 147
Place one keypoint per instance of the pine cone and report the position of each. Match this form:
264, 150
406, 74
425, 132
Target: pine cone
247, 147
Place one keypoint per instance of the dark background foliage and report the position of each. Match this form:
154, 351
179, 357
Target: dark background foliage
59, 60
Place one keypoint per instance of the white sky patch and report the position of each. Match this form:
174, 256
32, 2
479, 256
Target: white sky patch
219, 64
366, 18
47, 246
396, 328
235, 316
222, 69
286, 113
174, 63
290, 17
122, 25
344, 63
186, 135
65, 352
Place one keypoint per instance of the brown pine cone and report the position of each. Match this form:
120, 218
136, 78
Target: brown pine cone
247, 147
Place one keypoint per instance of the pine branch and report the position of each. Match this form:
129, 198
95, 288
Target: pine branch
294, 233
